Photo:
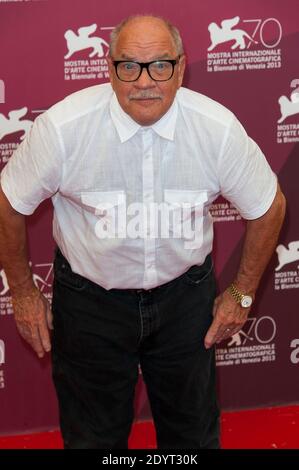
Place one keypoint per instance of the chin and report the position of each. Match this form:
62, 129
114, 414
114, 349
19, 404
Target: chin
145, 119
146, 122
146, 114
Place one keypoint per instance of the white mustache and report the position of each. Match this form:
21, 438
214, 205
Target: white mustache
145, 95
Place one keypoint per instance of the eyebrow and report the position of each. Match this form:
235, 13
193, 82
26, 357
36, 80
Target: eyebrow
134, 59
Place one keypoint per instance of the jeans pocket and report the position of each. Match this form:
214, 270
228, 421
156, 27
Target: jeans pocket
197, 275
64, 275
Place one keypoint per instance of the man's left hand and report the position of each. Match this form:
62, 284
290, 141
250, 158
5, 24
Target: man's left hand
229, 317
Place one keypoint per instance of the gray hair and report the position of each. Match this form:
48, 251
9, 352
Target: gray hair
175, 34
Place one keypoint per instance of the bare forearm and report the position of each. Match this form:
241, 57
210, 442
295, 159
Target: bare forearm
260, 242
13, 247
32, 312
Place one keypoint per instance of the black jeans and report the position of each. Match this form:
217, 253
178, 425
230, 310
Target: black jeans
101, 336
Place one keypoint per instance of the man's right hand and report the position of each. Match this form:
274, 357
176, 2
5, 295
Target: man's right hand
33, 318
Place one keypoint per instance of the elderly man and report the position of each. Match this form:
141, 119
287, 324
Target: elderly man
137, 289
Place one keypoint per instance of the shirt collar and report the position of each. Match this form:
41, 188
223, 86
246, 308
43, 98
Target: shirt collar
165, 127
126, 127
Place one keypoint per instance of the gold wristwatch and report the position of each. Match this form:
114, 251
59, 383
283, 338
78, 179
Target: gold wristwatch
244, 300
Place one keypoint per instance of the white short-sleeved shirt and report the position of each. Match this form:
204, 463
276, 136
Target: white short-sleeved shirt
131, 203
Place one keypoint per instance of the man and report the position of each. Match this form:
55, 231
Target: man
125, 294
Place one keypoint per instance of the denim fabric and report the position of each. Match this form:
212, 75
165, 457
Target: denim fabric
101, 336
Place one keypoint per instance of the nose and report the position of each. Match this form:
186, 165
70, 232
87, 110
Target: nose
145, 81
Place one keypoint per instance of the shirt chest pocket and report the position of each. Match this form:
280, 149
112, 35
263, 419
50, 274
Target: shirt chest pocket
185, 201
185, 210
109, 208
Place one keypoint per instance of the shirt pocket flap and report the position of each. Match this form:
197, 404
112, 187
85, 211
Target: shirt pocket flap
186, 197
102, 200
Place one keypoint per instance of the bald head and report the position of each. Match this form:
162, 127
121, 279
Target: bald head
146, 23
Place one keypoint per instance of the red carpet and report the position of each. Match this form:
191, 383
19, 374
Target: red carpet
276, 428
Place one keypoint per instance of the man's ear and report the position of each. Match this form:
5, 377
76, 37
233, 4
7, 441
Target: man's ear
110, 70
181, 69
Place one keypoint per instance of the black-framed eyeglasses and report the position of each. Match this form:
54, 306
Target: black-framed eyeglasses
158, 70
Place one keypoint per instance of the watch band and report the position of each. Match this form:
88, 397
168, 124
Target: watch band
237, 295
244, 300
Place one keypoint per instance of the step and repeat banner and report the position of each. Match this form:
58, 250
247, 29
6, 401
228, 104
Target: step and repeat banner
244, 55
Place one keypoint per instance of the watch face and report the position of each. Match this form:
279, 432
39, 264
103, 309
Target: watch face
246, 301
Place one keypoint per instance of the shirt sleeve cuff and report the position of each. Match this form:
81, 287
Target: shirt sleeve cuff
18, 205
259, 212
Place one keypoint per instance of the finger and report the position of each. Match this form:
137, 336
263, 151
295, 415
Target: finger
228, 332
215, 307
222, 332
214, 310
225, 335
233, 331
30, 335
43, 321
49, 318
44, 334
212, 334
36, 344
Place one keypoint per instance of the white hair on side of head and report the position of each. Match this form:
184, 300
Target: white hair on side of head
175, 34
